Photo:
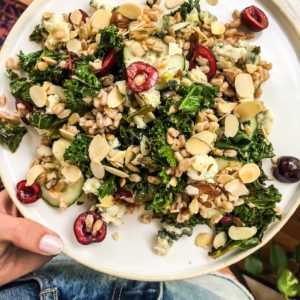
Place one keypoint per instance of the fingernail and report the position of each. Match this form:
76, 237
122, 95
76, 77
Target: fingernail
51, 244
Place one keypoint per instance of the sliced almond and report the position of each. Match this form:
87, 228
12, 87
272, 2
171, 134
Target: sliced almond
71, 172
34, 173
38, 95
244, 85
76, 17
236, 188
225, 178
173, 3
122, 87
212, 2
116, 172
231, 125
197, 147
97, 169
194, 206
98, 148
241, 233
59, 147
43, 150
67, 134
204, 240
101, 19
53, 89
131, 10
220, 240
206, 136
137, 49
145, 146
248, 110
74, 45
249, 173
217, 28
226, 108
114, 98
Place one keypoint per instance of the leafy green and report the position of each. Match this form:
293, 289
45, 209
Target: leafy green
288, 284
240, 142
78, 153
110, 38
11, 135
19, 86
140, 112
160, 150
253, 265
165, 178
187, 7
128, 135
37, 34
75, 93
54, 74
199, 97
164, 29
108, 187
278, 258
161, 200
41, 120
88, 78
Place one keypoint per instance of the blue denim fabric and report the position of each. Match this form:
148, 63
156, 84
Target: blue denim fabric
64, 279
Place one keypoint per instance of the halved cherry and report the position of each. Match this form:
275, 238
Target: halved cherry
141, 76
28, 108
73, 57
90, 228
28, 194
254, 18
108, 63
227, 219
124, 195
205, 53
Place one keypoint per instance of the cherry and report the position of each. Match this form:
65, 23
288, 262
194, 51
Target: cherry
89, 228
124, 195
254, 18
28, 107
108, 63
73, 57
28, 194
143, 71
205, 53
227, 219
287, 169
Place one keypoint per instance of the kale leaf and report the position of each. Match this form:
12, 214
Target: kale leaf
88, 78
108, 187
128, 135
160, 150
41, 120
199, 97
75, 93
187, 7
11, 135
78, 153
110, 38
19, 86
37, 34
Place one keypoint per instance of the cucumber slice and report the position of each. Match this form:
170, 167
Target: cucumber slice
224, 163
64, 198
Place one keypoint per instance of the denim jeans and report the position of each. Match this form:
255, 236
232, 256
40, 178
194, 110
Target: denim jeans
64, 279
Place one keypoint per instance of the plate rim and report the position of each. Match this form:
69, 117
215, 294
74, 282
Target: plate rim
290, 28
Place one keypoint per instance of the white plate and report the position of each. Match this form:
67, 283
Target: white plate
132, 256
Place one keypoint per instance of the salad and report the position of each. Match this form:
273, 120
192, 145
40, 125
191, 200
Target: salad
156, 107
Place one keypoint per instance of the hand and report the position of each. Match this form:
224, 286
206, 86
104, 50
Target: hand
24, 244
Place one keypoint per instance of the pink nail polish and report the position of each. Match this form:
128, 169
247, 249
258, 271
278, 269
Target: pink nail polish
51, 244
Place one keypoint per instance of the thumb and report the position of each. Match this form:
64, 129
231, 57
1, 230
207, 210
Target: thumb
29, 235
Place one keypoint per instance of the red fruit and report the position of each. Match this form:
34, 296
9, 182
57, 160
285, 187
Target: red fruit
124, 195
73, 57
28, 108
86, 228
84, 16
28, 194
205, 53
254, 18
146, 73
227, 219
109, 62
